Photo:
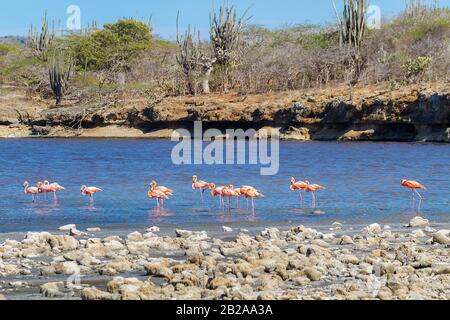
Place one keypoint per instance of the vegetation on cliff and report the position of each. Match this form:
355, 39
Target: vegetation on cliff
124, 58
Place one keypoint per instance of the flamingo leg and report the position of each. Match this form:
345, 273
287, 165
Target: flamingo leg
201, 195
421, 199
253, 203
314, 200
301, 199
413, 199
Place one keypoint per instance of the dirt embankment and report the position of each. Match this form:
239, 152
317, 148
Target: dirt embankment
376, 113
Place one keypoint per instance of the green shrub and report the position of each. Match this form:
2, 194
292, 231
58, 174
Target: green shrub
414, 68
114, 47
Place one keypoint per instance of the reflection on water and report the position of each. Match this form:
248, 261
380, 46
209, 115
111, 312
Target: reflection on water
362, 180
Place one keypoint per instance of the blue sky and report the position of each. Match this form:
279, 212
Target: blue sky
17, 15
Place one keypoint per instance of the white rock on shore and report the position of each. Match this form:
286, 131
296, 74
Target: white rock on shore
418, 222
300, 263
67, 227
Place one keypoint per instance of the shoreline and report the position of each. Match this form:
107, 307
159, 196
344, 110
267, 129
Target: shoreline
413, 113
290, 262
166, 138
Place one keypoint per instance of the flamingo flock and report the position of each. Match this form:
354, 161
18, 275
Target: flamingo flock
229, 192
46, 187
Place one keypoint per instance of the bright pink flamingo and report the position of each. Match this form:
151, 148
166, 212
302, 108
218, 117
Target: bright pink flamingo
33, 191
253, 194
202, 186
298, 185
313, 188
244, 189
217, 192
158, 195
90, 191
414, 185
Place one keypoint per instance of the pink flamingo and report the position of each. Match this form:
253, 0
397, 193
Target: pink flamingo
298, 185
202, 186
33, 191
253, 194
313, 188
90, 191
244, 189
165, 190
217, 191
228, 192
53, 187
158, 195
414, 185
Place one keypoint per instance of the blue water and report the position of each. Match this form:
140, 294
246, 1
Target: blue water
362, 180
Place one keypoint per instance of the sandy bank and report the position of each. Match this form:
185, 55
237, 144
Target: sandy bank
376, 113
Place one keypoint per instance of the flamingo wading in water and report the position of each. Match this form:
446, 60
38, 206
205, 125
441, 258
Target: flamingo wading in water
90, 191
165, 190
217, 191
199, 185
300, 186
52, 187
414, 185
160, 196
33, 191
313, 188
253, 194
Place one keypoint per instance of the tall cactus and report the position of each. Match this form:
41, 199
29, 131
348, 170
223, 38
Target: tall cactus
225, 33
352, 23
59, 71
192, 60
40, 42
189, 55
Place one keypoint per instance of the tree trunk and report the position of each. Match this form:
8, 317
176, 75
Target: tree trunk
205, 81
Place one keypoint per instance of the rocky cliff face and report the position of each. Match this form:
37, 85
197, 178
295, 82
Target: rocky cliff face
374, 114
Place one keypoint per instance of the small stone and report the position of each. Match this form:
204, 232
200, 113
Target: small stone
418, 222
373, 229
67, 227
349, 259
302, 281
95, 294
93, 229
53, 290
158, 269
153, 229
135, 237
418, 233
18, 284
77, 233
441, 237
312, 274
346, 240
227, 229
219, 282
320, 243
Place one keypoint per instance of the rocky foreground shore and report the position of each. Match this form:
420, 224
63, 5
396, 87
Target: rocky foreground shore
300, 263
